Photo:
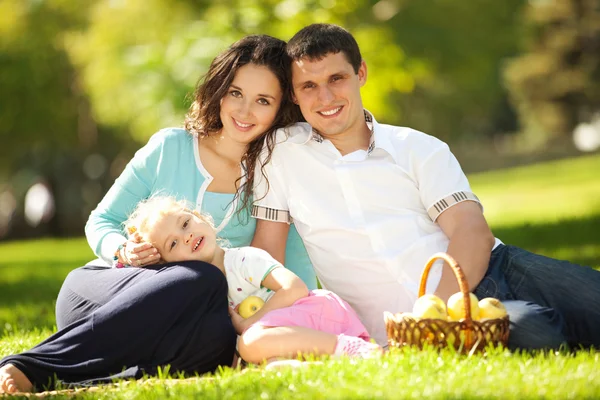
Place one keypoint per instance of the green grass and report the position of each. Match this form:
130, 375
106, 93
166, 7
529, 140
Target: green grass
551, 208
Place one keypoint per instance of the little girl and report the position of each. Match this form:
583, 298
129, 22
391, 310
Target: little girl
293, 320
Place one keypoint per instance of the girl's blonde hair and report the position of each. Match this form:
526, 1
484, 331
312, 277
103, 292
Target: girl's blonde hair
148, 212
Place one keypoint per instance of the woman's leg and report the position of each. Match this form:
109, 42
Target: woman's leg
177, 317
88, 288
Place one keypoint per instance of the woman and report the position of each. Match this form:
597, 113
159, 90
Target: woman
124, 322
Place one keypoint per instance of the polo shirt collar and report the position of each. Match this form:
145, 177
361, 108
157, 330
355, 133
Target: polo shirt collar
371, 124
381, 139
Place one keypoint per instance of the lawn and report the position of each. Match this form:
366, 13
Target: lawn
551, 208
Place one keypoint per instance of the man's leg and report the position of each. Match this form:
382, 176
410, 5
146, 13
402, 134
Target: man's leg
177, 317
532, 326
571, 290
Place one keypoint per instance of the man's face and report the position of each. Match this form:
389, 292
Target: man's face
328, 93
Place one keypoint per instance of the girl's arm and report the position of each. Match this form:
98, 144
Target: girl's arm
287, 287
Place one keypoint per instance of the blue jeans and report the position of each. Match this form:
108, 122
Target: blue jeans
549, 302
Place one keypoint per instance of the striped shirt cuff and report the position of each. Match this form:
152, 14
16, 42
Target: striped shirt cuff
450, 200
271, 214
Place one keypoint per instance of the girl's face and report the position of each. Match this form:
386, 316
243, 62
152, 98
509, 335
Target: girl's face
251, 104
183, 236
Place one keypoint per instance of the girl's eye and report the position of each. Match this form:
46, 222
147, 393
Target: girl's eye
185, 224
263, 101
173, 244
235, 93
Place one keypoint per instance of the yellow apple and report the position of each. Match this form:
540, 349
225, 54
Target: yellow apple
427, 308
491, 308
250, 305
433, 297
456, 310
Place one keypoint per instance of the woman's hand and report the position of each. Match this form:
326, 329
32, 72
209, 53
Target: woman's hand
138, 253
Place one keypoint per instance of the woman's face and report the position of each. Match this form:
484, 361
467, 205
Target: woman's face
251, 103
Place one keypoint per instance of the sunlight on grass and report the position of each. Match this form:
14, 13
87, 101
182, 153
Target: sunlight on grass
551, 208
546, 192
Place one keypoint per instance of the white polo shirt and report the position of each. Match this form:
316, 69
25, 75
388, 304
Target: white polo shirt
367, 218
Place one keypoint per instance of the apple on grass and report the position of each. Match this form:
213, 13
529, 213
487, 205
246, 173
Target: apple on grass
250, 305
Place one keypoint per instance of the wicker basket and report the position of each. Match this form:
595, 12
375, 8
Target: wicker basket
465, 335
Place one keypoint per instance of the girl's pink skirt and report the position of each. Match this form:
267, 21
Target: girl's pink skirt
321, 310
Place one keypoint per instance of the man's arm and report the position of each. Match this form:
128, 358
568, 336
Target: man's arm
271, 236
471, 242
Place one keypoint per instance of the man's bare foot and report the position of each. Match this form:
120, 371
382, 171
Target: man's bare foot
12, 380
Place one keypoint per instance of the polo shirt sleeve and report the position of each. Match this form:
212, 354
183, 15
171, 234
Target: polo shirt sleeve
442, 182
270, 193
255, 264
104, 230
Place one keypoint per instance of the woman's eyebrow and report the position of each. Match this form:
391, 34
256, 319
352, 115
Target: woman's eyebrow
260, 94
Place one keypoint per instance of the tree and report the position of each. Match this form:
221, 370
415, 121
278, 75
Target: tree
556, 84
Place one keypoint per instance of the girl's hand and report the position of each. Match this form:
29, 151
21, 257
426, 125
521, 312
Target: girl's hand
140, 254
239, 322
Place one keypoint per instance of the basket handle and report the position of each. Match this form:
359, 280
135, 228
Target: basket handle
460, 277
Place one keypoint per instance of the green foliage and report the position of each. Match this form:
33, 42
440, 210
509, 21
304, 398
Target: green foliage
459, 48
555, 84
41, 102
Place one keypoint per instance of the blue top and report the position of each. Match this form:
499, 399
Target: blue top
169, 164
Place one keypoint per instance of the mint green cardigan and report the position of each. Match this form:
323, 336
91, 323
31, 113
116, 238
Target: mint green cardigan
169, 164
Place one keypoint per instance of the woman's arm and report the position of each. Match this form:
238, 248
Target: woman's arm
104, 230
287, 287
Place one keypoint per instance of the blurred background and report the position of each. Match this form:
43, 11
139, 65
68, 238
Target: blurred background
84, 83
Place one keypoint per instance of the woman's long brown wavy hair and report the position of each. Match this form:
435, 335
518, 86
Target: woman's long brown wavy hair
203, 117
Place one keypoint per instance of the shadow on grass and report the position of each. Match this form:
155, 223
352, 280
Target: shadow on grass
547, 238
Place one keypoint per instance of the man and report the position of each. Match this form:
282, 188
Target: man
373, 202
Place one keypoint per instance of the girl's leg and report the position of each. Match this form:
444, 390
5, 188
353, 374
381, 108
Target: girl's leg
177, 317
261, 343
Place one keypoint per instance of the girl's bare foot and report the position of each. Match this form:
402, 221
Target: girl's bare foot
12, 380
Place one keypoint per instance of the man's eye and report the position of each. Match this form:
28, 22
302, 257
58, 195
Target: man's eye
173, 244
309, 86
336, 78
